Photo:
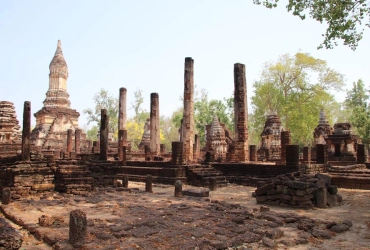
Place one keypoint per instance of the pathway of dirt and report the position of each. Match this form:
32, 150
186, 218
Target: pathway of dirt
229, 218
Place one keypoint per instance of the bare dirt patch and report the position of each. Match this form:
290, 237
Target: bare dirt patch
229, 218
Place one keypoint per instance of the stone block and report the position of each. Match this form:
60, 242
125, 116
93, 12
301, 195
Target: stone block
196, 192
43, 187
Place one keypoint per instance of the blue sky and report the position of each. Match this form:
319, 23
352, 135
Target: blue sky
143, 44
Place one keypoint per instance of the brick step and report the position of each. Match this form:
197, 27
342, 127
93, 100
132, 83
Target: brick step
70, 168
81, 179
73, 187
156, 179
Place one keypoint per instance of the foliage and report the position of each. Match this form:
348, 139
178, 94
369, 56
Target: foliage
344, 18
92, 133
358, 111
104, 100
205, 110
286, 87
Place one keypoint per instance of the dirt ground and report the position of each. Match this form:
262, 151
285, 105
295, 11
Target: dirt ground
228, 219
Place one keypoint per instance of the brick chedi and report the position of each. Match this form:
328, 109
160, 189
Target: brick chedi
323, 129
218, 139
9, 124
56, 116
271, 138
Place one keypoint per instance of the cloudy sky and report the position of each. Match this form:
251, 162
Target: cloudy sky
143, 44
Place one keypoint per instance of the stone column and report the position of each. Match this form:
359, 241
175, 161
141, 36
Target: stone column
104, 130
212, 183
26, 130
124, 155
307, 154
69, 142
149, 184
361, 154
240, 113
154, 123
321, 154
78, 141
122, 141
292, 155
196, 147
188, 117
6, 197
177, 153
253, 153
77, 228
122, 109
284, 141
178, 188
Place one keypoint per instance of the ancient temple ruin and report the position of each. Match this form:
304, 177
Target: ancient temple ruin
270, 149
9, 124
323, 129
218, 139
56, 116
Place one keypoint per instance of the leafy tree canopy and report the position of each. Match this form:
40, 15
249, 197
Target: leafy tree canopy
346, 19
295, 87
103, 100
358, 111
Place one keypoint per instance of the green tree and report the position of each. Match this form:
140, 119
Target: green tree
287, 87
357, 108
103, 100
345, 19
135, 124
205, 110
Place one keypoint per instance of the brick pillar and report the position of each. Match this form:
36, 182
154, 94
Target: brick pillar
285, 140
147, 153
307, 154
122, 141
154, 123
196, 147
104, 130
252, 153
26, 144
188, 117
361, 154
292, 155
96, 147
177, 153
78, 141
240, 113
122, 117
124, 157
69, 141
321, 154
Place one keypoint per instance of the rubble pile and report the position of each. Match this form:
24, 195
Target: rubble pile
298, 190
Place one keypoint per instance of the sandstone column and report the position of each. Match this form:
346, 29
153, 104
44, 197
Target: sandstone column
122, 141
122, 117
188, 117
104, 130
122, 109
285, 140
69, 142
26, 130
154, 123
178, 188
77, 228
240, 113
78, 141
253, 153
196, 147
